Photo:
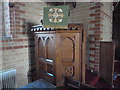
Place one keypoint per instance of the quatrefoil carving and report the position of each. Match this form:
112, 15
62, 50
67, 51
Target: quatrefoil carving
68, 70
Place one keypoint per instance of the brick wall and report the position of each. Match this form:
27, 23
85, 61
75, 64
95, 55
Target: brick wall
18, 52
97, 19
106, 14
0, 35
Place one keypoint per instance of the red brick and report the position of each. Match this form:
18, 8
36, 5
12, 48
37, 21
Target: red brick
95, 14
94, 48
3, 48
98, 32
95, 28
20, 11
18, 40
94, 35
92, 55
25, 46
99, 18
98, 10
98, 38
24, 32
95, 21
99, 25
4, 40
20, 26
17, 29
17, 47
8, 48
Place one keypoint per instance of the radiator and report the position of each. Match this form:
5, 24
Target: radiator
8, 79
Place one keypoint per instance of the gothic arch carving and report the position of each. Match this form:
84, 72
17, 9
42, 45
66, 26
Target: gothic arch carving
49, 48
68, 49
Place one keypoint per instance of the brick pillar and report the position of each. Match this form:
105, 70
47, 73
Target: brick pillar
97, 31
95, 35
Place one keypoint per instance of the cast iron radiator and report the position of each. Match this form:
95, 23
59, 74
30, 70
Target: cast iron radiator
8, 79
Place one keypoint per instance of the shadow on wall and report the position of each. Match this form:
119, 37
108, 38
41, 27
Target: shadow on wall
31, 52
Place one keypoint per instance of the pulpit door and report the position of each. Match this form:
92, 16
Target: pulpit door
68, 64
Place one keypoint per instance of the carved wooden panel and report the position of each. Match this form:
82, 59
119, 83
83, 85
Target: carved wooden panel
42, 66
50, 68
68, 49
49, 48
68, 70
41, 52
69, 56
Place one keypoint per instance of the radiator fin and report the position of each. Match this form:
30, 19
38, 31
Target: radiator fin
8, 79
